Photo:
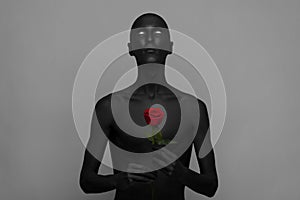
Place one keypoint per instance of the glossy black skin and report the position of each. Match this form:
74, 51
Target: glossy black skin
168, 182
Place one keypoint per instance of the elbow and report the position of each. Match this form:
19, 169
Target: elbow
84, 185
213, 189
85, 190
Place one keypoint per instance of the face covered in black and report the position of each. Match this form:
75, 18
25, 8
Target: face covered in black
150, 39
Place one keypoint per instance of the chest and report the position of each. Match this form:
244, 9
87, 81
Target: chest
137, 105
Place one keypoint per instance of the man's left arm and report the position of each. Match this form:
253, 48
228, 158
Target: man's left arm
206, 182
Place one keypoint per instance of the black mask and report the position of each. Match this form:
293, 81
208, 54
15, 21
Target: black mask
150, 40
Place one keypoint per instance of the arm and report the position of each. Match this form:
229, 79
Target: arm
90, 181
206, 182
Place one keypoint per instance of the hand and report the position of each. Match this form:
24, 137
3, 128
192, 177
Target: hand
135, 175
176, 169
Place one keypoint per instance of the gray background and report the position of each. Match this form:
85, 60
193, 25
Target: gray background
254, 43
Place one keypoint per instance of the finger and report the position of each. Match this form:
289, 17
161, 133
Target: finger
170, 154
167, 169
134, 166
130, 179
134, 170
165, 157
151, 174
139, 168
168, 162
139, 178
159, 162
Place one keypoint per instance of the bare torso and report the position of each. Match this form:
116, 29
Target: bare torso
164, 186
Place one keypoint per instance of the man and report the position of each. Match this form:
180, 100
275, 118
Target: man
150, 45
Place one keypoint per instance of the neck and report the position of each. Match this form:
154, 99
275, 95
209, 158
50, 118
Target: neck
151, 73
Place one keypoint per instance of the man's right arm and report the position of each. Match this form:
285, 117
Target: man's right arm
90, 181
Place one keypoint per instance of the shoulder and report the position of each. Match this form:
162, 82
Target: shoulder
202, 106
188, 98
190, 101
103, 103
103, 108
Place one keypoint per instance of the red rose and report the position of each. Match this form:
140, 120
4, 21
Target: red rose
153, 116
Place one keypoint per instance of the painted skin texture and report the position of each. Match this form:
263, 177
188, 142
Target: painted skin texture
168, 182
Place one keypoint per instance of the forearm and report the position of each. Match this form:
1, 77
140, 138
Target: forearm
200, 183
95, 183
